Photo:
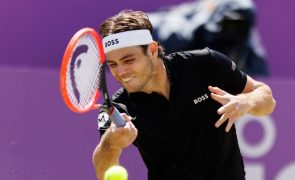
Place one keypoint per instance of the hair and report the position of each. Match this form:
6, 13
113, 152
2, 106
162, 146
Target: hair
128, 20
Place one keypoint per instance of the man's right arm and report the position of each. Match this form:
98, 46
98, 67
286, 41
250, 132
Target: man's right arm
105, 156
111, 145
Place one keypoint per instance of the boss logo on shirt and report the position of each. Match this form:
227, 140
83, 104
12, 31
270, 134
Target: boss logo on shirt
103, 121
111, 42
201, 98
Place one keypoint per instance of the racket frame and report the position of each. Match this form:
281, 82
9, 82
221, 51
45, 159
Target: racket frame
109, 108
67, 57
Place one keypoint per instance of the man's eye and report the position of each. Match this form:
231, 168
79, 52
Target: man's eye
128, 61
112, 65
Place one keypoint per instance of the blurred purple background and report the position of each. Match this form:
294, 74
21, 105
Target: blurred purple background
35, 32
41, 139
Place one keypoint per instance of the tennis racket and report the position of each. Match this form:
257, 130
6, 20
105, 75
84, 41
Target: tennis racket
82, 75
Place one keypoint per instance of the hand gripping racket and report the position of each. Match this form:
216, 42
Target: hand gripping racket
82, 75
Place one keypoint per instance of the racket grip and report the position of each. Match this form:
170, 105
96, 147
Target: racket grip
116, 117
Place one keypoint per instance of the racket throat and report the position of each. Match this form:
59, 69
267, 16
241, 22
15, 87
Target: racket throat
111, 110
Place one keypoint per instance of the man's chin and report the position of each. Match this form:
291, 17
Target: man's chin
130, 89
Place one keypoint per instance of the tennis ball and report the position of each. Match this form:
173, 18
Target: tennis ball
116, 173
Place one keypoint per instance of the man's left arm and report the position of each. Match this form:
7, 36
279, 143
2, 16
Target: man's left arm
256, 99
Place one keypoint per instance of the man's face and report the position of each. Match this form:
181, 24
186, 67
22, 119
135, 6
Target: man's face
132, 68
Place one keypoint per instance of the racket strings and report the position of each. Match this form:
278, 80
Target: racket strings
84, 73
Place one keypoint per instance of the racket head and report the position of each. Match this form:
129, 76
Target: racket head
81, 68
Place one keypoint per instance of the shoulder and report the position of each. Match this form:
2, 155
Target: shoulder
186, 60
208, 58
187, 55
198, 56
200, 59
221, 58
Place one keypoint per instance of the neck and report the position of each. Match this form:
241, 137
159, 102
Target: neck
160, 81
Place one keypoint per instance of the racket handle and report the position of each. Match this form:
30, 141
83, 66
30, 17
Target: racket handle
116, 117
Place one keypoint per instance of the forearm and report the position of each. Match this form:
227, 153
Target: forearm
111, 145
260, 100
105, 156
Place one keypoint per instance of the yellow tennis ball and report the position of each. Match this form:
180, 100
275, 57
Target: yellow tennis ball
116, 173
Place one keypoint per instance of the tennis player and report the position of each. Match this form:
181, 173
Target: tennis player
180, 108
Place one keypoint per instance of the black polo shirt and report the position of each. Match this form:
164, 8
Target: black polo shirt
177, 138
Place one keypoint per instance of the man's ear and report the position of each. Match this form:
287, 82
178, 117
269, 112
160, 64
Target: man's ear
153, 47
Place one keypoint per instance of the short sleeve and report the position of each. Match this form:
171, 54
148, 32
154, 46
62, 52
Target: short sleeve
230, 77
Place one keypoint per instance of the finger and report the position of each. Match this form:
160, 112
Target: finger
226, 108
122, 131
130, 126
220, 121
126, 117
218, 98
135, 131
216, 90
230, 123
223, 118
132, 130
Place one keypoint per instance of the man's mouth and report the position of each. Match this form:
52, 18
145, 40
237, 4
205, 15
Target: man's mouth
127, 79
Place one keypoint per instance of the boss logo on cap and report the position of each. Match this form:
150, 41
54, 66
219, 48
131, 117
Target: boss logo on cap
127, 39
111, 42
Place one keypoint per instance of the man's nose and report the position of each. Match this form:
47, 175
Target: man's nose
121, 69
